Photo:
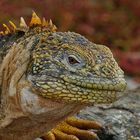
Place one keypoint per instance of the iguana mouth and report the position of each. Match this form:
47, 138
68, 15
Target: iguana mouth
87, 93
116, 84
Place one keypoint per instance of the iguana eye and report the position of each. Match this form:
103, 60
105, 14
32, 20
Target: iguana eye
72, 60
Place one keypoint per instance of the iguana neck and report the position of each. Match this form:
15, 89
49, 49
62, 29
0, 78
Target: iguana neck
35, 125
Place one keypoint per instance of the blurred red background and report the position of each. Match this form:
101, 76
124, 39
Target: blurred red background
115, 23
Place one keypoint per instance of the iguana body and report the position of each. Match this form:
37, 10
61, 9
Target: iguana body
47, 76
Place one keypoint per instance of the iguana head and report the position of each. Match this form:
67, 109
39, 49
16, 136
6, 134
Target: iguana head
65, 66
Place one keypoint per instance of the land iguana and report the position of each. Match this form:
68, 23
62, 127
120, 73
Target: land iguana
47, 76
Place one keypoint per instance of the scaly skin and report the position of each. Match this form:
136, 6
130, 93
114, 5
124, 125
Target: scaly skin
46, 76
93, 77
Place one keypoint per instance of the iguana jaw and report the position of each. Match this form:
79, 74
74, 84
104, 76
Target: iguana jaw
88, 93
97, 83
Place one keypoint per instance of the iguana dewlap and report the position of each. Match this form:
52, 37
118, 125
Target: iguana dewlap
46, 76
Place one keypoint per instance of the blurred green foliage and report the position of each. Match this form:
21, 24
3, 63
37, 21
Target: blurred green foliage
115, 23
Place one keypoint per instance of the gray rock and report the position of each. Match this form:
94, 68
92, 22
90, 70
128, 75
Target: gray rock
120, 119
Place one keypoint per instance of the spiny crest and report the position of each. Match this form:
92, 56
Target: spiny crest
35, 22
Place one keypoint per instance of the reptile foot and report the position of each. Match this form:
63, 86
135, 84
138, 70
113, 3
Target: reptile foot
74, 129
